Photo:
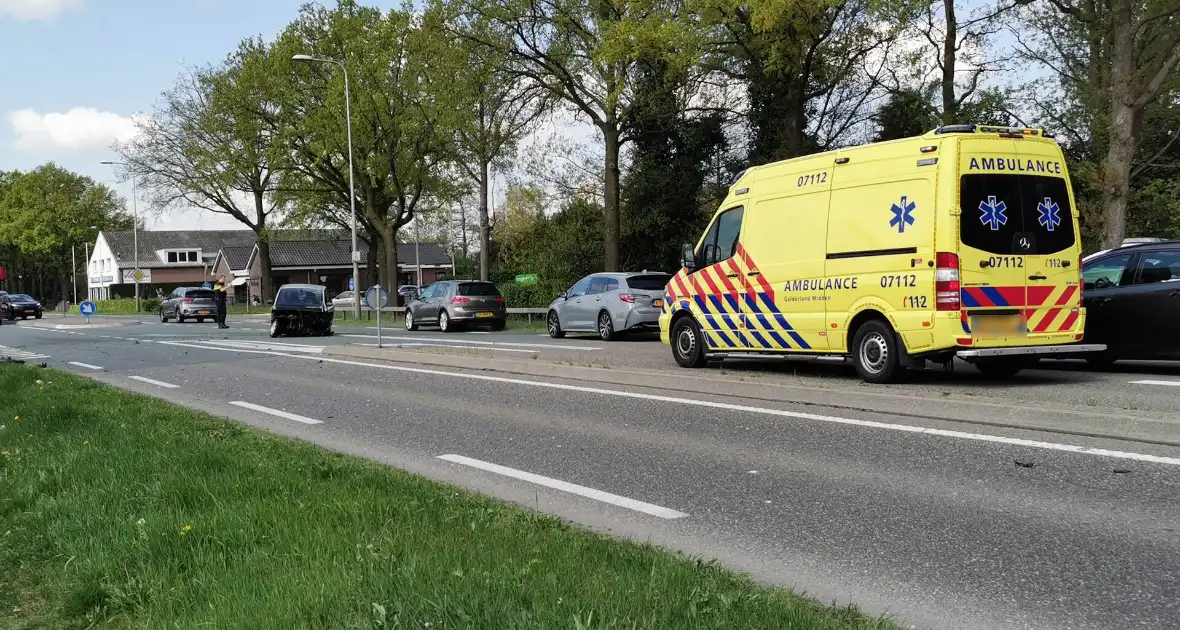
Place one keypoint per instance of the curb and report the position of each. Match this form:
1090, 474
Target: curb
1163, 429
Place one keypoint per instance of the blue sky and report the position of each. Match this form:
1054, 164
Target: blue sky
76, 71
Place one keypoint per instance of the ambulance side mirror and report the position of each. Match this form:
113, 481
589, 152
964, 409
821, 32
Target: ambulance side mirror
688, 258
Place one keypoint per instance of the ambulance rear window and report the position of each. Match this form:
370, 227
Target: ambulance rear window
1015, 214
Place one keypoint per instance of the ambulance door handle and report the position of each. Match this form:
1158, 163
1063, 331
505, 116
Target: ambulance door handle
1037, 276
1097, 301
731, 275
754, 273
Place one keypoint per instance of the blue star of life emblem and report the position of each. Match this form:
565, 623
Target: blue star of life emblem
1050, 214
993, 213
903, 214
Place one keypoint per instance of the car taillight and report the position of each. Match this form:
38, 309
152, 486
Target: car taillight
188, 299
499, 300
627, 297
946, 281
460, 300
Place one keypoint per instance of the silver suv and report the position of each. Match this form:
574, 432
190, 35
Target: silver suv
608, 304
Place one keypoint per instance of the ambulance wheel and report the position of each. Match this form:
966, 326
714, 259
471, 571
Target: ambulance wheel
1000, 367
687, 348
875, 352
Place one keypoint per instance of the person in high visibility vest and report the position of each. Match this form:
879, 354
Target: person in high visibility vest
219, 298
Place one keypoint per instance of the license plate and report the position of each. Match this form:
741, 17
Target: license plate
999, 325
485, 314
202, 312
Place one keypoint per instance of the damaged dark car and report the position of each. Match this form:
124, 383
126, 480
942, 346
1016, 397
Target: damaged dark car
301, 309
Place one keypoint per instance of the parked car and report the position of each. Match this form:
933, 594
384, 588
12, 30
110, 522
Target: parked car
345, 300
3, 305
1132, 299
20, 305
188, 303
608, 304
455, 303
301, 309
407, 293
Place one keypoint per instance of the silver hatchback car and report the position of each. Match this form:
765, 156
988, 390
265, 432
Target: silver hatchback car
608, 304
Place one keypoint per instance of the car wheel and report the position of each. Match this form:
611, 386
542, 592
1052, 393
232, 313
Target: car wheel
444, 321
410, 323
1000, 367
179, 318
37, 316
163, 316
276, 328
687, 348
875, 352
606, 327
553, 324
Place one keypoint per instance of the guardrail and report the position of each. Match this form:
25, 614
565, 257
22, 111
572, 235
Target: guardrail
344, 312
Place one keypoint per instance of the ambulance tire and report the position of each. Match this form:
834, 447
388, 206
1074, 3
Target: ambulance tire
875, 353
687, 346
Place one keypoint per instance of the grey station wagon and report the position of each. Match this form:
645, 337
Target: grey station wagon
609, 303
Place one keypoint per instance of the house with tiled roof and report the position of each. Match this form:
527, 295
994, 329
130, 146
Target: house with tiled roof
167, 259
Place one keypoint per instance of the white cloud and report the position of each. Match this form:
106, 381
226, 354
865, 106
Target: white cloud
80, 129
31, 10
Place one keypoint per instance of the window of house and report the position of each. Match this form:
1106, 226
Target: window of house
180, 257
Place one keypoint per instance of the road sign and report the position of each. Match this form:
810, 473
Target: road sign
87, 309
351, 285
376, 297
137, 276
206, 286
526, 278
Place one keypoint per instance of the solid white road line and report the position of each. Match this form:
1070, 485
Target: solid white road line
398, 344
1164, 383
782, 413
564, 486
152, 381
514, 344
86, 365
275, 412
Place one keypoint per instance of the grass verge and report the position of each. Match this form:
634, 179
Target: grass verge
124, 511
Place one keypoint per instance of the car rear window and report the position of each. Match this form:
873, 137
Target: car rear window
1009, 214
299, 298
200, 294
653, 282
478, 289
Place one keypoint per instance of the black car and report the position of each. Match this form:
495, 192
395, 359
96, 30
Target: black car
20, 305
188, 303
1132, 300
301, 309
455, 303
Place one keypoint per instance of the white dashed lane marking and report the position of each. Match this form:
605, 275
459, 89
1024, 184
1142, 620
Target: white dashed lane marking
1163, 383
565, 486
275, 412
86, 365
16, 354
152, 381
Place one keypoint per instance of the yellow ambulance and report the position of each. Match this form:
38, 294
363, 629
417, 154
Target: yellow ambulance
959, 243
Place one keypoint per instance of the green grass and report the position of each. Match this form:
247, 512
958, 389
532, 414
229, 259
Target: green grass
122, 511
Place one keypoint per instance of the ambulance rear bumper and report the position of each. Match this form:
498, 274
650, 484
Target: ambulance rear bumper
1071, 348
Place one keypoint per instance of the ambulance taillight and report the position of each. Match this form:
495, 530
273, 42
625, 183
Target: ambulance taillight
946, 281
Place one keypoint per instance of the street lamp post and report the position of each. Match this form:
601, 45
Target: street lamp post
134, 229
356, 256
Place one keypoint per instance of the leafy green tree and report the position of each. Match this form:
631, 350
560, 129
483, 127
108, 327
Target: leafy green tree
399, 140
491, 110
665, 202
207, 147
47, 211
585, 54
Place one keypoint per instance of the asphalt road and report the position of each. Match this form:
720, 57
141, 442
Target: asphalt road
943, 524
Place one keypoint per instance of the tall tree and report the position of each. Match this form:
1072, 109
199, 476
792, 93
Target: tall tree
399, 147
1114, 58
46, 212
207, 147
492, 110
584, 54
